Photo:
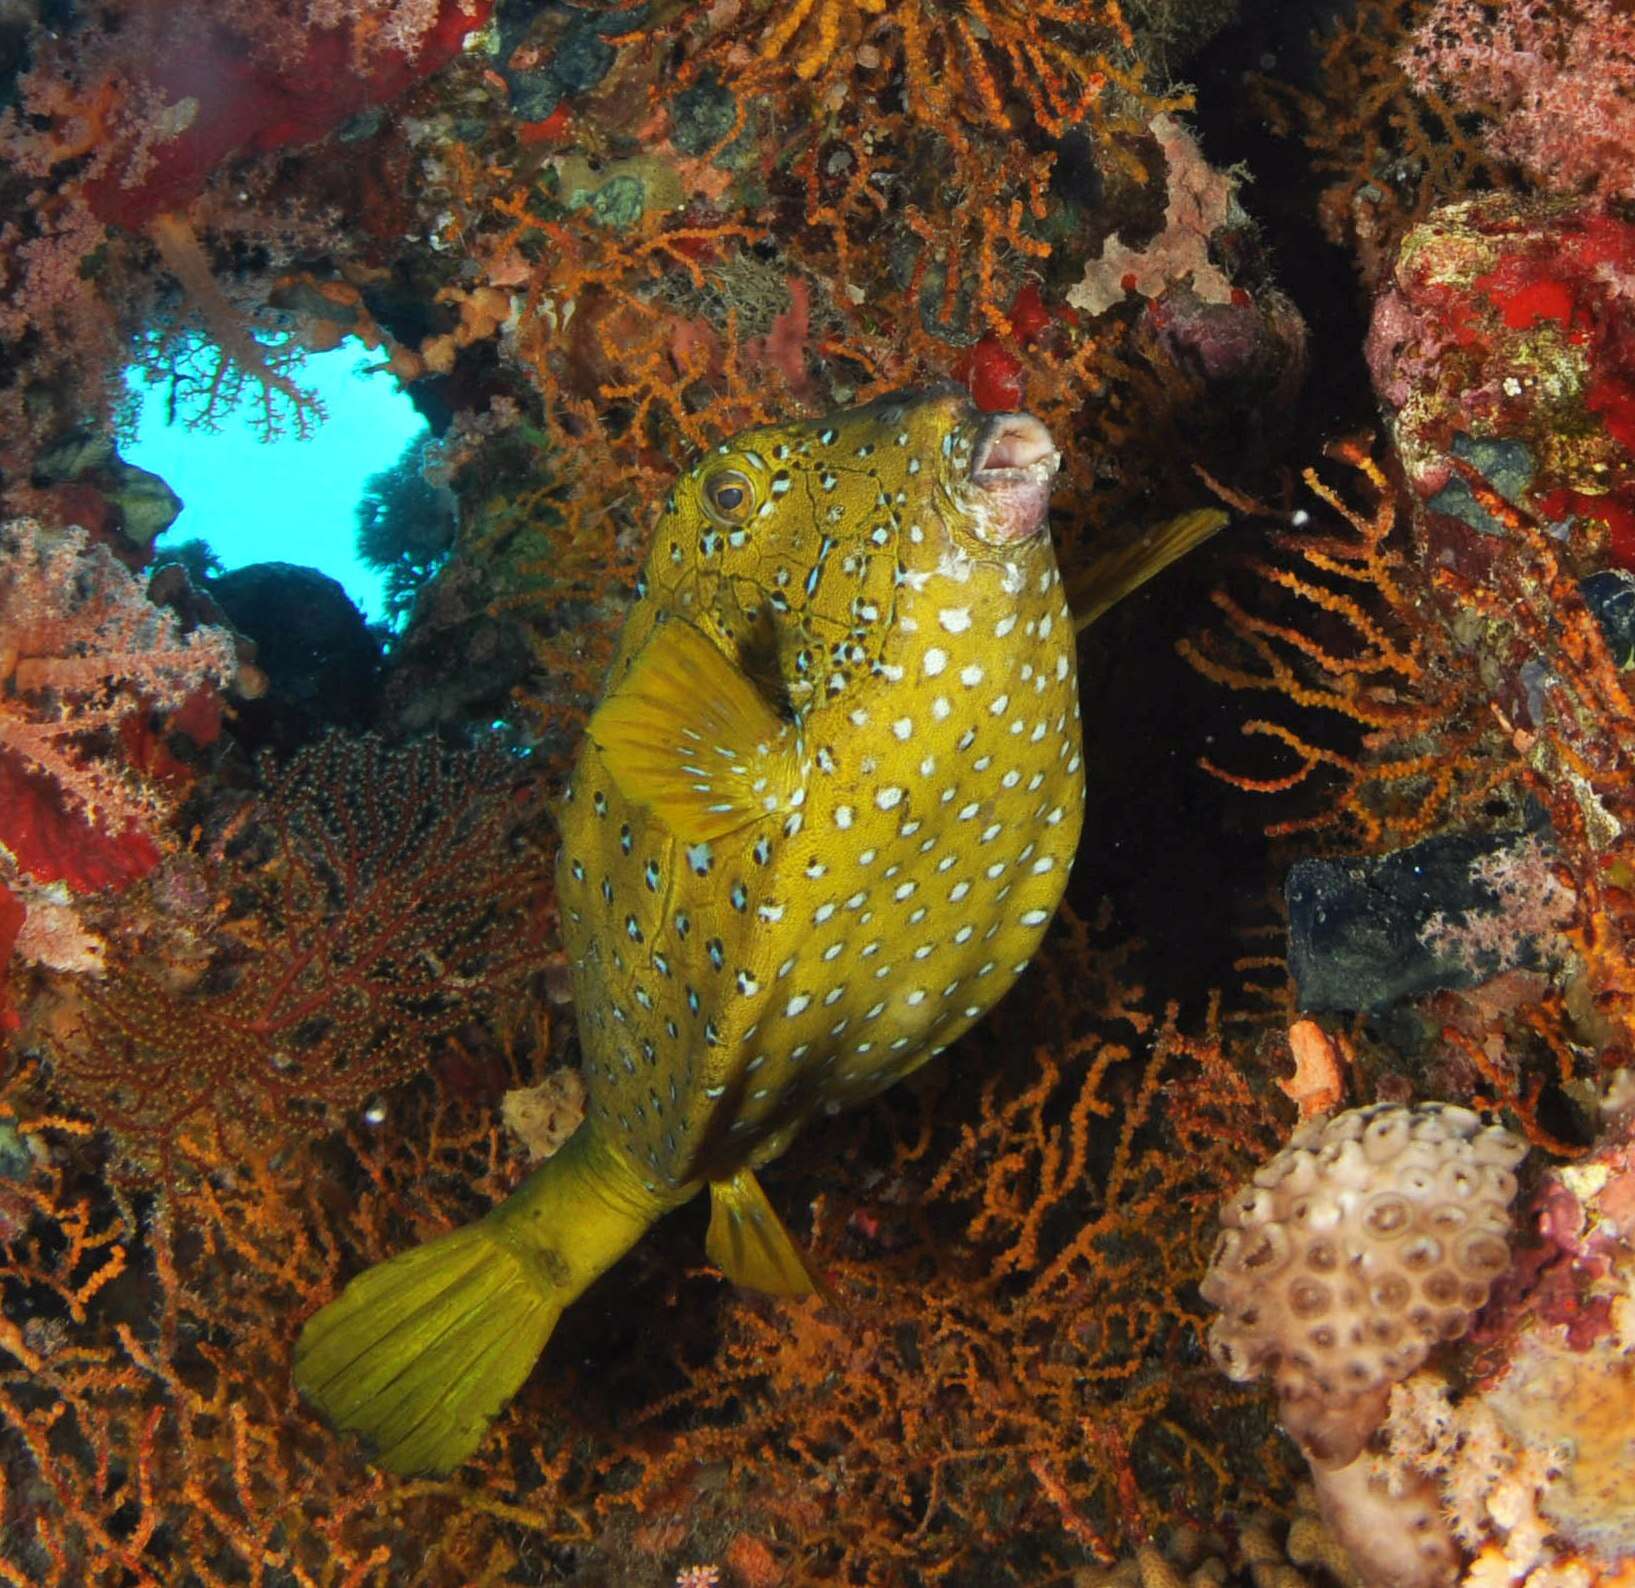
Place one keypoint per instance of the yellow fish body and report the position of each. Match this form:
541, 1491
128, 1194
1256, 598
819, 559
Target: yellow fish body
821, 820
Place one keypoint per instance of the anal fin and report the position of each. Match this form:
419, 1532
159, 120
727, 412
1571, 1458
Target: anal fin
688, 734
747, 1240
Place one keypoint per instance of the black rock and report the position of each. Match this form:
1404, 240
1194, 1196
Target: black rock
1446, 913
1610, 595
321, 660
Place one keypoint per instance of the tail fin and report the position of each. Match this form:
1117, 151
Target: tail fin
419, 1353
1116, 573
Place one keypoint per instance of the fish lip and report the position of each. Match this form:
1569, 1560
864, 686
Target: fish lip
1013, 465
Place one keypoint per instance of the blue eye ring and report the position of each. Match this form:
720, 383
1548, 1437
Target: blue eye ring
728, 496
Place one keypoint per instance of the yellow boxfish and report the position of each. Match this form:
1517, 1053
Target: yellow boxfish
821, 820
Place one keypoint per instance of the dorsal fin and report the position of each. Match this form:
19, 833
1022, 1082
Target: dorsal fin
1112, 575
686, 733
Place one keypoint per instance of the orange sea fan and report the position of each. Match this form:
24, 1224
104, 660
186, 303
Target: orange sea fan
1388, 728
1015, 1349
1390, 150
963, 64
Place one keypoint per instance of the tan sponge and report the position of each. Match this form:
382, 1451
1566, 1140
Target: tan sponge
1369, 1238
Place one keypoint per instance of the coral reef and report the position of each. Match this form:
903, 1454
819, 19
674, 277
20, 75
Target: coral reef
281, 986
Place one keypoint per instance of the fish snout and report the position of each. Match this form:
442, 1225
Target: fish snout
1013, 466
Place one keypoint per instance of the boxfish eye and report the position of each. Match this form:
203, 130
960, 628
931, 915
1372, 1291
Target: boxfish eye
728, 496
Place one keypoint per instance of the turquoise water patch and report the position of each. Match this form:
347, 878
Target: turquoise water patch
290, 499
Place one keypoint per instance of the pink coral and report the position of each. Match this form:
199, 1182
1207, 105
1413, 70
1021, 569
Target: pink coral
1560, 76
81, 647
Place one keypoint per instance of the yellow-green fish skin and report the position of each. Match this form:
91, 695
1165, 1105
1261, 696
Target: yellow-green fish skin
902, 610
824, 812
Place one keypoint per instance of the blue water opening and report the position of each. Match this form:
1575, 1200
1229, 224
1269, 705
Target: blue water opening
288, 499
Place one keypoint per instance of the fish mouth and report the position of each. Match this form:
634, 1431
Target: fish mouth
1013, 465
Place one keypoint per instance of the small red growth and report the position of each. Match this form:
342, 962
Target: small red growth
992, 369
1615, 510
13, 912
146, 742
553, 128
1030, 316
1537, 300
994, 375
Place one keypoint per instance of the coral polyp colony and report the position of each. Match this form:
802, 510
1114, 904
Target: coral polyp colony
1371, 1237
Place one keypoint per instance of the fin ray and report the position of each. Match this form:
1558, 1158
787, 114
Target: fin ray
748, 1242
1124, 569
688, 734
452, 1327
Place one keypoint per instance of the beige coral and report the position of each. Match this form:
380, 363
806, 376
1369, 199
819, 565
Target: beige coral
1574, 1410
1369, 1238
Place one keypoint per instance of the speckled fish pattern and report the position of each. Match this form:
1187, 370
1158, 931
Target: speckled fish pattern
818, 912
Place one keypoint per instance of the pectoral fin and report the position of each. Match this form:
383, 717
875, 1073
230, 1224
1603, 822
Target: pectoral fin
686, 733
747, 1240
